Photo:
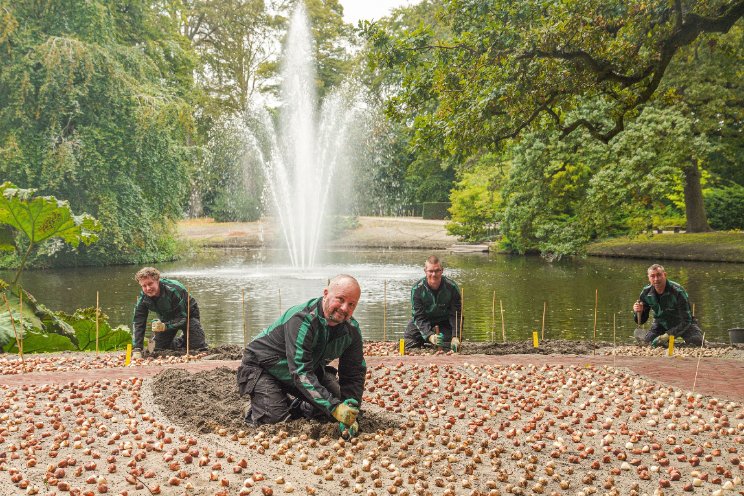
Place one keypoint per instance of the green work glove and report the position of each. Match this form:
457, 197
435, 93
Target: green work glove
662, 340
347, 411
158, 326
437, 339
455, 345
347, 432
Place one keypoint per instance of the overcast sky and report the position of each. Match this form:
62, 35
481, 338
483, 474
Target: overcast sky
354, 10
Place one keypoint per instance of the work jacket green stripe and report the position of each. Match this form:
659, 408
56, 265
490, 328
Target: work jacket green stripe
170, 307
671, 308
296, 348
429, 308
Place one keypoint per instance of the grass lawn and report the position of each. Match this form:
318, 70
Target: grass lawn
710, 247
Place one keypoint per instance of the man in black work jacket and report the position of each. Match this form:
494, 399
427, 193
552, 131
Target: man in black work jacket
436, 304
167, 298
286, 371
672, 315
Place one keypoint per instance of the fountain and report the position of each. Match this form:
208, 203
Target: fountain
302, 155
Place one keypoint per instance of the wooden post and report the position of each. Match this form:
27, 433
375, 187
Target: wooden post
20, 337
97, 312
545, 307
700, 355
493, 316
384, 311
245, 343
594, 336
462, 309
15, 331
188, 320
614, 345
503, 324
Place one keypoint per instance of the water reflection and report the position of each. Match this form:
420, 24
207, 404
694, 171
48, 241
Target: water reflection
521, 285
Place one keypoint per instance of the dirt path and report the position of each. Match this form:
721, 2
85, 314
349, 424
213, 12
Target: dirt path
373, 232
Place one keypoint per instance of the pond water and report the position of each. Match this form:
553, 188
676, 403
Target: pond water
221, 279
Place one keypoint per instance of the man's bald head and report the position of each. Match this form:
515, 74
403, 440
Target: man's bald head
340, 299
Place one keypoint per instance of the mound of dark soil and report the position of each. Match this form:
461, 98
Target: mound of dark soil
221, 352
208, 401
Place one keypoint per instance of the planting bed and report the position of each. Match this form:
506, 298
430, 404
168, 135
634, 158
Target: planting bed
438, 424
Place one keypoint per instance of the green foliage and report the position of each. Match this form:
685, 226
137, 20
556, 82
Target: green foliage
502, 66
83, 321
45, 331
725, 207
436, 210
476, 200
36, 318
340, 224
234, 208
95, 108
40, 218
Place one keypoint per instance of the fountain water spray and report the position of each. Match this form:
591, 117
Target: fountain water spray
301, 158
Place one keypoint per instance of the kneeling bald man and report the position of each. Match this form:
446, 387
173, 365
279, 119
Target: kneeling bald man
285, 369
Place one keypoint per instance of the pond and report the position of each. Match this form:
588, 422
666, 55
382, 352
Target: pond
237, 289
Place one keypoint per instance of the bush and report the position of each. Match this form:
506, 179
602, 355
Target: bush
235, 208
436, 210
725, 207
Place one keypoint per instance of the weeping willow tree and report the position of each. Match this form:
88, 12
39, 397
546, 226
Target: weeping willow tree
95, 108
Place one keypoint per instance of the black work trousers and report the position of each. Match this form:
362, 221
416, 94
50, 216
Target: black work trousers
272, 401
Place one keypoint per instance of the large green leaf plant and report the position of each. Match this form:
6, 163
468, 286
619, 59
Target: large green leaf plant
26, 222
36, 219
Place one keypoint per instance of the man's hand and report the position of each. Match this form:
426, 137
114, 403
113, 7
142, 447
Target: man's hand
455, 345
662, 340
437, 339
638, 306
136, 354
347, 411
347, 432
158, 326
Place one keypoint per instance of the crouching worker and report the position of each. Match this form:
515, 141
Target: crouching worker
436, 307
167, 298
285, 368
672, 315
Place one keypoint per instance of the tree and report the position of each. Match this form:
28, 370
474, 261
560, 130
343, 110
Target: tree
508, 64
509, 68
95, 107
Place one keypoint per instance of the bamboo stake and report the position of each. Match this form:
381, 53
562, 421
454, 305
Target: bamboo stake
20, 338
614, 344
503, 324
384, 311
545, 307
15, 331
244, 326
188, 320
700, 355
594, 338
693, 310
462, 309
97, 312
493, 316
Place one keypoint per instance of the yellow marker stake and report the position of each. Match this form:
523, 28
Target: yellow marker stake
128, 359
535, 342
670, 351
402, 347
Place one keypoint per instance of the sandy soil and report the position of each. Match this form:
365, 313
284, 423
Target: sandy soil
373, 232
433, 426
